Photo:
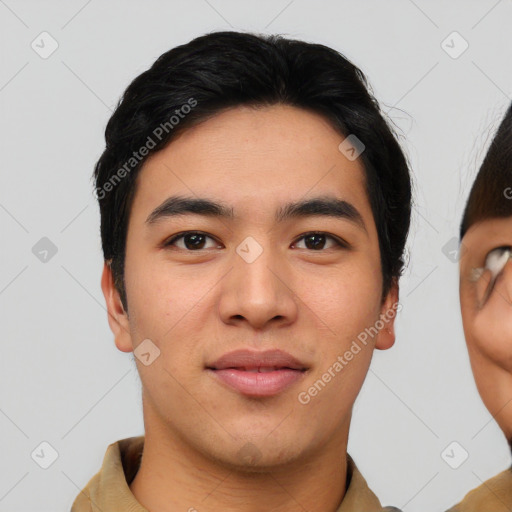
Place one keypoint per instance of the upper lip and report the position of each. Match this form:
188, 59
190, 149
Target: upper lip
248, 359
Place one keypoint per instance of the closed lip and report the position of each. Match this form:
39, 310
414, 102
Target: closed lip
252, 360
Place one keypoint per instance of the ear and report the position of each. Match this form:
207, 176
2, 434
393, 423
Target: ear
117, 317
386, 336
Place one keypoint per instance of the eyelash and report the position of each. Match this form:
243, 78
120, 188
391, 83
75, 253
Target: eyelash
340, 243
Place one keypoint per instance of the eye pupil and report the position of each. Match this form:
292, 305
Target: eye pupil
315, 244
196, 239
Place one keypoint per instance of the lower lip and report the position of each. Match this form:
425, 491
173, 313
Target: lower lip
258, 383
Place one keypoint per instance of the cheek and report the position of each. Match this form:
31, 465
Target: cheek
347, 298
163, 291
489, 332
167, 306
341, 310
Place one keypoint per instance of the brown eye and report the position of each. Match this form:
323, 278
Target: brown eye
192, 240
316, 241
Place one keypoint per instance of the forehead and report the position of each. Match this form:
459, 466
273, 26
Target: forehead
244, 154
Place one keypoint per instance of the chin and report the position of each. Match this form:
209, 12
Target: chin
257, 464
258, 455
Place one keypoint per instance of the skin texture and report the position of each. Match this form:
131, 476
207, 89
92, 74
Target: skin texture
488, 326
197, 305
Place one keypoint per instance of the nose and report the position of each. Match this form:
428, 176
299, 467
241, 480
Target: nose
259, 293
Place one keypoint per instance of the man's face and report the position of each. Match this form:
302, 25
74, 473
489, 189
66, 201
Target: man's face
487, 314
255, 283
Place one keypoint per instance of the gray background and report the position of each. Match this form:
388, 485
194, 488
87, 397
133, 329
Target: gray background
62, 379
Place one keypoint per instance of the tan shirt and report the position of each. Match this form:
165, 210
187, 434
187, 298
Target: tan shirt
109, 491
494, 495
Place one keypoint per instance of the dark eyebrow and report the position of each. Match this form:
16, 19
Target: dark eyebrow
326, 206
180, 205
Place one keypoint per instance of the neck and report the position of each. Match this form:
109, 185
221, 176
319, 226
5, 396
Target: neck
173, 476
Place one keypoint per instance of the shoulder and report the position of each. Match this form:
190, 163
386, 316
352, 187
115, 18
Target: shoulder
358, 495
495, 492
110, 484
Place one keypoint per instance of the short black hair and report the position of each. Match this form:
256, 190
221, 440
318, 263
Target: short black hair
491, 193
220, 70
